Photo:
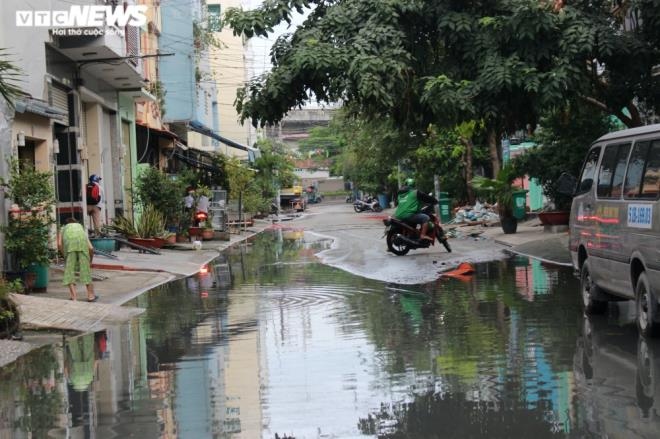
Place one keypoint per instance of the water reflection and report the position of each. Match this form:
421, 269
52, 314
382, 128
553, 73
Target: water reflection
618, 377
265, 341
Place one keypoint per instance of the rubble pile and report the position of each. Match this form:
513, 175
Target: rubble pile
480, 213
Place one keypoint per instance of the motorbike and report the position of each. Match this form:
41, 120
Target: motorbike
368, 204
402, 237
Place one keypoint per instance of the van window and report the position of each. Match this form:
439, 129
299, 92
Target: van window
589, 171
651, 182
612, 169
643, 174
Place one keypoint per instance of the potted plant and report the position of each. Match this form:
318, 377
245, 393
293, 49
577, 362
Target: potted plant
207, 230
147, 231
500, 189
9, 316
165, 194
28, 230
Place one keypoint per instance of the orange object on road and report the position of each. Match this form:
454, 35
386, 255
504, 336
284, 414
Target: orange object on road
462, 269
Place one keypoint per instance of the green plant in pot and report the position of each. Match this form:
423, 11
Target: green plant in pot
28, 230
149, 226
501, 191
9, 315
154, 187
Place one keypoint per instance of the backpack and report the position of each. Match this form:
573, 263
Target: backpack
93, 194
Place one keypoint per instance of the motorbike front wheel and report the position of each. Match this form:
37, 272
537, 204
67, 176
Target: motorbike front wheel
443, 239
397, 249
357, 208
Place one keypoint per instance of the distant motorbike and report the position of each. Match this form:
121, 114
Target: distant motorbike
367, 204
402, 237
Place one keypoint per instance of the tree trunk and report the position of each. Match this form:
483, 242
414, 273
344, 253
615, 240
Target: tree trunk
469, 146
494, 151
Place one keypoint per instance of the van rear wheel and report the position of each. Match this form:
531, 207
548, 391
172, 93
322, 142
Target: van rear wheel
590, 291
647, 308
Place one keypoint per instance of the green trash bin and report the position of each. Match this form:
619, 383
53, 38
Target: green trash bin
444, 203
520, 203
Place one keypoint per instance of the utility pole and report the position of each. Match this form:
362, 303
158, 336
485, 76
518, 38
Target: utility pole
436, 188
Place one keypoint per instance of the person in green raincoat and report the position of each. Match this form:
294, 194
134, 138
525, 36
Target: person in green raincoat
77, 250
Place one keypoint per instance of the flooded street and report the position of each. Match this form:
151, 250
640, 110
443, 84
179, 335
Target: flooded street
270, 343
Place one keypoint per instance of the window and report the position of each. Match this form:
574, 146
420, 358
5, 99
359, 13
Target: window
215, 22
619, 171
651, 181
589, 171
612, 168
643, 175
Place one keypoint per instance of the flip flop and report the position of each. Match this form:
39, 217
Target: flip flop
94, 299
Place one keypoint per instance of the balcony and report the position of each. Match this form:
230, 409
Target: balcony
97, 50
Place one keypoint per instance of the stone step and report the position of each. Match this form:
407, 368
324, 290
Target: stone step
43, 312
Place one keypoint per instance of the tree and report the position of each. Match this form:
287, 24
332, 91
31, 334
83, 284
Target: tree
323, 144
373, 150
562, 143
450, 153
274, 169
417, 62
8, 75
154, 188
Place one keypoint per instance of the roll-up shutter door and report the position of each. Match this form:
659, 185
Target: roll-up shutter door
59, 98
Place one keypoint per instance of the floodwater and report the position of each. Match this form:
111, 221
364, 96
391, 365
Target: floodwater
269, 343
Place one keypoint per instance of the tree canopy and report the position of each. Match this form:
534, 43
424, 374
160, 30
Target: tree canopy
444, 62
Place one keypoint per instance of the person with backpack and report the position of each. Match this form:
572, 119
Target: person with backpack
94, 196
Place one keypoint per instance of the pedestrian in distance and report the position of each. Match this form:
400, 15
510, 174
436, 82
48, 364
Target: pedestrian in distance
94, 196
74, 244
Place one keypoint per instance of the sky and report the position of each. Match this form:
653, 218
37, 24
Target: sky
258, 55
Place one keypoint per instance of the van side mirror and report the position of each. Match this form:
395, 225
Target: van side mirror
566, 184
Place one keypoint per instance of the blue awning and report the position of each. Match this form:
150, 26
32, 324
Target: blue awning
202, 129
41, 108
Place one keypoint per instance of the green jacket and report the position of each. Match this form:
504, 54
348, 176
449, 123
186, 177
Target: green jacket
411, 201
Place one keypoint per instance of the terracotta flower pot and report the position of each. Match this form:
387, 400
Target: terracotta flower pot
195, 231
207, 234
557, 218
146, 242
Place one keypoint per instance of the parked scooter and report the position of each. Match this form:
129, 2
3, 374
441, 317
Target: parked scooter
402, 237
369, 203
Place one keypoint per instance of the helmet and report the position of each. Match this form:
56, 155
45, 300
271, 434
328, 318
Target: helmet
410, 181
94, 178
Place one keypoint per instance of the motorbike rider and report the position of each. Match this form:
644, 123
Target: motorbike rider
410, 202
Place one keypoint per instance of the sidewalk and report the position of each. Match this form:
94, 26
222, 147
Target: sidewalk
125, 278
531, 240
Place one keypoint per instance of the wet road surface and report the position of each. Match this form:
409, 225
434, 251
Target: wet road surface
270, 343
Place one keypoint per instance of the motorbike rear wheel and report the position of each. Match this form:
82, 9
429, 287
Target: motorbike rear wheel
442, 238
377, 208
397, 249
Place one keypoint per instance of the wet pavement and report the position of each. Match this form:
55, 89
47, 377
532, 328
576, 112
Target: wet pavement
271, 343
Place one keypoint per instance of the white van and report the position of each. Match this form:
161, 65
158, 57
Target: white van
615, 224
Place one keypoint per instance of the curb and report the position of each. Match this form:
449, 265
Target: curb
125, 268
